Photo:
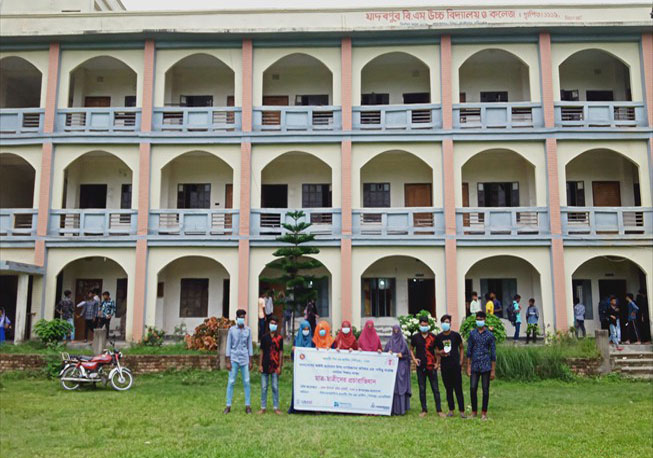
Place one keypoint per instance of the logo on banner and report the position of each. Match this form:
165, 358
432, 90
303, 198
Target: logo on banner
302, 356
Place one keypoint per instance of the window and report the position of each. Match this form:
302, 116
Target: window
130, 100
126, 196
569, 96
375, 99
376, 195
494, 96
194, 297
637, 195
575, 193
417, 97
196, 100
378, 296
599, 96
304, 100
192, 195
316, 195
498, 194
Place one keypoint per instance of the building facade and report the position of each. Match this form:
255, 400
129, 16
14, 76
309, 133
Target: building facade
437, 151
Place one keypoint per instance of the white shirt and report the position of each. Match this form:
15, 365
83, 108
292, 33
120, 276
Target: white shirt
474, 306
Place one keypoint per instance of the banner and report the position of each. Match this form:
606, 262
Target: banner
346, 382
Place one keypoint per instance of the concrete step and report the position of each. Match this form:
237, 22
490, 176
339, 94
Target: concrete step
632, 362
636, 370
638, 348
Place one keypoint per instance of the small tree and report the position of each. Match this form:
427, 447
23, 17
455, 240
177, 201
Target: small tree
291, 261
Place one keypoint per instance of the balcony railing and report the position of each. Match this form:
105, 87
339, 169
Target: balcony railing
497, 115
90, 120
21, 121
397, 117
268, 221
388, 222
600, 114
600, 221
197, 119
297, 118
193, 222
18, 222
502, 221
92, 222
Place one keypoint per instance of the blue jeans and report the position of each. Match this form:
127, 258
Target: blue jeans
71, 321
517, 326
275, 390
615, 333
244, 372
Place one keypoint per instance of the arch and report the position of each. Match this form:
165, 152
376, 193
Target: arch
489, 150
200, 74
287, 154
186, 153
298, 74
102, 77
382, 54
298, 54
386, 257
591, 48
81, 258
576, 155
182, 256
71, 161
596, 70
106, 60
398, 74
506, 255
391, 151
17, 180
610, 254
20, 83
204, 54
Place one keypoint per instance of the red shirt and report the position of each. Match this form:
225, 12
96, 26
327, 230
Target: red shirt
271, 346
424, 349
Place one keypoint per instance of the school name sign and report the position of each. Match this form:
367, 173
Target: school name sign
345, 382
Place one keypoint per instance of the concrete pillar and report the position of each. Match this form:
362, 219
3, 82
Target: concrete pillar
21, 307
602, 339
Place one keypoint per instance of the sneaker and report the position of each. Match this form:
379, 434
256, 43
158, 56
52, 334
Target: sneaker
226, 410
248, 409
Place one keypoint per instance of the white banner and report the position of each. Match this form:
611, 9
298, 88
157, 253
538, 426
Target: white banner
346, 382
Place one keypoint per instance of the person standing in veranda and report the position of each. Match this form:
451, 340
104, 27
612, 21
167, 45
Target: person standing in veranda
475, 304
579, 316
107, 311
90, 312
532, 320
516, 314
481, 363
450, 351
66, 309
615, 323
489, 304
261, 315
633, 309
270, 364
239, 355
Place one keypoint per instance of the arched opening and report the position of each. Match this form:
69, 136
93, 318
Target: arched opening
190, 289
599, 278
494, 75
594, 75
395, 78
506, 276
20, 83
93, 274
199, 80
16, 182
394, 286
101, 82
297, 79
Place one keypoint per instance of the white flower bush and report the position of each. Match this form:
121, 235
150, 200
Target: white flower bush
410, 324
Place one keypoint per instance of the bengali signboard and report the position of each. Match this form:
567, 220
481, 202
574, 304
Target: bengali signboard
342, 381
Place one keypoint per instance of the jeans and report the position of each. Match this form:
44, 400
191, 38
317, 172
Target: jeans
71, 321
580, 326
275, 390
517, 326
244, 372
432, 375
485, 385
615, 333
453, 382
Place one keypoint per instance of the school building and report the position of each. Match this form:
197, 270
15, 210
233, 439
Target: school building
436, 150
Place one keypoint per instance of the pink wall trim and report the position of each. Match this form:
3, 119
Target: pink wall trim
345, 161
140, 283
39, 253
559, 286
143, 187
148, 86
554, 189
451, 272
345, 81
647, 53
248, 54
546, 78
445, 82
44, 190
243, 274
245, 184
345, 279
449, 187
51, 88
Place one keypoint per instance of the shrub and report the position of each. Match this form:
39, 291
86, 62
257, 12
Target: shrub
206, 334
410, 324
532, 363
493, 323
153, 336
52, 332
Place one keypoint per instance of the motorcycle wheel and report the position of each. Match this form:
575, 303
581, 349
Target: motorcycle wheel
70, 372
122, 383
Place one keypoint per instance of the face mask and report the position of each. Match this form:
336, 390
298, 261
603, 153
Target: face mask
273, 327
240, 321
480, 323
346, 330
446, 326
424, 328
306, 332
322, 332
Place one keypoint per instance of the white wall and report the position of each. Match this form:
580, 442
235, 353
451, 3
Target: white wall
311, 78
594, 70
8, 178
37, 58
97, 168
115, 83
478, 75
396, 74
213, 78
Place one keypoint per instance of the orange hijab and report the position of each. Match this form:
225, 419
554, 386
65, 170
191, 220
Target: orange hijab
318, 340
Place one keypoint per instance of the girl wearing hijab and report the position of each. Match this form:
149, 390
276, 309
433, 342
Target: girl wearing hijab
346, 340
369, 339
302, 339
397, 345
4, 324
322, 337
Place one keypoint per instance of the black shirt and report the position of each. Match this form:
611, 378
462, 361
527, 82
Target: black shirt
271, 347
451, 341
613, 312
424, 349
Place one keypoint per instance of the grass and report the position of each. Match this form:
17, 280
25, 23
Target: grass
35, 347
180, 414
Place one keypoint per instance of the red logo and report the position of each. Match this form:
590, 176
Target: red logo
302, 356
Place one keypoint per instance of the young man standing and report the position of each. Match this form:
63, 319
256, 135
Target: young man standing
632, 320
532, 320
107, 310
270, 363
89, 312
474, 305
579, 316
450, 360
489, 305
66, 309
615, 323
239, 358
423, 343
481, 362
516, 313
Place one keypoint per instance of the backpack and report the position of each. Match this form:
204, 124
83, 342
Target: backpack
512, 317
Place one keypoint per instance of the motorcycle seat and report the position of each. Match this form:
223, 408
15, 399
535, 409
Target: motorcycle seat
81, 357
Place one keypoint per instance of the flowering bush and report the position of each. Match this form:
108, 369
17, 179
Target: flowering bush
493, 323
153, 337
52, 332
206, 334
410, 324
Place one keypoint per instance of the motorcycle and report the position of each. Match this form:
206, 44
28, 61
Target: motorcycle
78, 369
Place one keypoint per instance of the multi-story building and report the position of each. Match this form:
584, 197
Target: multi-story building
436, 150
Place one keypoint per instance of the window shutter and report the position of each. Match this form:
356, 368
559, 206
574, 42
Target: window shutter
480, 194
514, 195
580, 194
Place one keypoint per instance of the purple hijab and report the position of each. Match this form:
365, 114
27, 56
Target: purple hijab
397, 344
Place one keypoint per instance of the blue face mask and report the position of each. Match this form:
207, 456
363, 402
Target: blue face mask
346, 330
424, 328
240, 321
446, 326
273, 327
480, 323
322, 332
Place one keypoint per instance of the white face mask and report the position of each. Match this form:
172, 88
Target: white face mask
346, 330
306, 332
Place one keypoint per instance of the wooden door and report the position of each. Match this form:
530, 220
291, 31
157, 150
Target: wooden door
97, 102
606, 193
82, 287
231, 117
92, 196
419, 195
465, 204
273, 118
228, 203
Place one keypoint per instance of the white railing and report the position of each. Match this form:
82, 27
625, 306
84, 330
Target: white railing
90, 120
599, 221
17, 222
502, 221
387, 222
197, 119
269, 221
397, 117
92, 222
600, 114
194, 222
21, 120
497, 115
297, 118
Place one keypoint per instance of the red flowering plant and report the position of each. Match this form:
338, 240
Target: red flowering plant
206, 334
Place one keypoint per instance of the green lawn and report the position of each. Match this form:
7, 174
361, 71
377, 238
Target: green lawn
181, 415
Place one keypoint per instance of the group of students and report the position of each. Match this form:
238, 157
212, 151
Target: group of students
493, 306
610, 316
97, 313
428, 352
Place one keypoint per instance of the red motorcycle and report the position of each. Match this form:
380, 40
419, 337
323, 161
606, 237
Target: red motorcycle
104, 368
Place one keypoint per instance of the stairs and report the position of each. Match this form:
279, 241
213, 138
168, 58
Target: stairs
634, 361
